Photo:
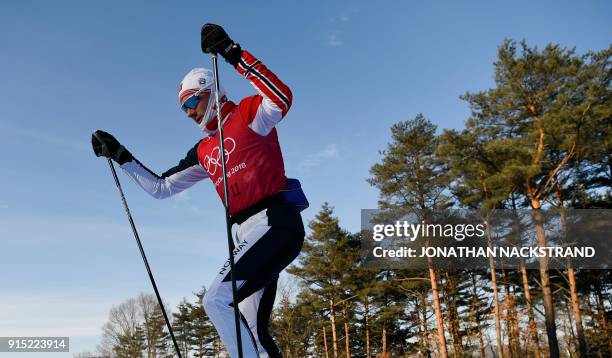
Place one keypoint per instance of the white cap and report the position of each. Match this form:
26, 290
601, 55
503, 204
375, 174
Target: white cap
196, 82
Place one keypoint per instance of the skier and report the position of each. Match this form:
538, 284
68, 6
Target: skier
264, 203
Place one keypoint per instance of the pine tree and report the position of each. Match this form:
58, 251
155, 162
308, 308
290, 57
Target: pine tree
131, 345
203, 331
409, 178
122, 333
153, 324
183, 326
324, 264
296, 324
473, 163
538, 111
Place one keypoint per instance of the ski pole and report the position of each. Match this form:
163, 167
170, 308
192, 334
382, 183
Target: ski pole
230, 242
144, 257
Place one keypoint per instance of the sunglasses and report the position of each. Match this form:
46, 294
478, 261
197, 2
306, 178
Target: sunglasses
191, 102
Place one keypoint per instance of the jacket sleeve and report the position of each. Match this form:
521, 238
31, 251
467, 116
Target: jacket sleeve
173, 181
263, 111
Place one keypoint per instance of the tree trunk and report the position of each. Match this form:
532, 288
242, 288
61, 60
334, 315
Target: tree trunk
475, 315
424, 311
508, 315
549, 307
366, 316
418, 325
384, 339
434, 289
513, 333
498, 335
603, 321
332, 313
454, 314
570, 336
582, 346
325, 343
532, 324
438, 310
347, 342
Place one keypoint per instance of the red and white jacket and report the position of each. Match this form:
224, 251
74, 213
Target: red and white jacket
254, 164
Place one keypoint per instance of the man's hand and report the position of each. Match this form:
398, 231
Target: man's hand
105, 145
215, 40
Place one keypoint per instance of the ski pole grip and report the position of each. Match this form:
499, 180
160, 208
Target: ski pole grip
101, 144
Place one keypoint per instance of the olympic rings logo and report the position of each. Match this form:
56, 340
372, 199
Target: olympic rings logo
213, 161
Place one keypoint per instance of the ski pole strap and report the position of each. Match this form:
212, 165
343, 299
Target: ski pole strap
292, 195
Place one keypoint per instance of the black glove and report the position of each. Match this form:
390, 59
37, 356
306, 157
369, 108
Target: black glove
215, 40
105, 145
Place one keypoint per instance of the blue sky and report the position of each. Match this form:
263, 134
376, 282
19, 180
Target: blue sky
355, 68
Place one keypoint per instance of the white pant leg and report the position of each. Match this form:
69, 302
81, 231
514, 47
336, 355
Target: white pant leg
218, 299
249, 307
257, 309
217, 304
